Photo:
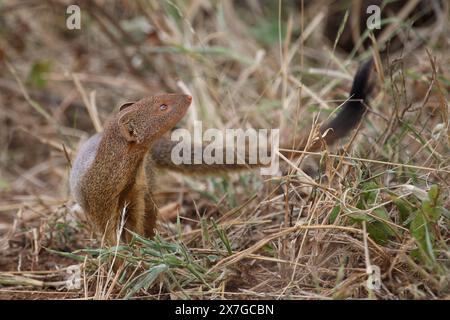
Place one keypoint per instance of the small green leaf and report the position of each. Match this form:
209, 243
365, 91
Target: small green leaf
222, 236
421, 232
334, 213
270, 250
173, 261
379, 232
432, 213
67, 255
145, 280
361, 217
433, 194
151, 252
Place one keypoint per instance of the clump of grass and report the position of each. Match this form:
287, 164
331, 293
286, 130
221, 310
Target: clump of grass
151, 260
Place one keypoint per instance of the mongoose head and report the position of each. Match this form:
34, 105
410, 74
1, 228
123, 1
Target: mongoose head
146, 120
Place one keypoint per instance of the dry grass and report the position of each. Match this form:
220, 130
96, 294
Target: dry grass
381, 198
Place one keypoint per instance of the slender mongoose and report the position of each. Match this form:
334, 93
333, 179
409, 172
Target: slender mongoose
112, 175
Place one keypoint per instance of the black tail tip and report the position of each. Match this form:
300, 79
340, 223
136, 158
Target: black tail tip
360, 86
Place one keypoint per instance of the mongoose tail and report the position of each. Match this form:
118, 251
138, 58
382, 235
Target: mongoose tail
353, 109
347, 119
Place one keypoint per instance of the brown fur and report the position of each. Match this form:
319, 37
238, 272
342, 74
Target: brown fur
117, 180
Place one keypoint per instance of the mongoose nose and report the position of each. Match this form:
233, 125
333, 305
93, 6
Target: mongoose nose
189, 98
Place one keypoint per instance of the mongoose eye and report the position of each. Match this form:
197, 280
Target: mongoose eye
163, 107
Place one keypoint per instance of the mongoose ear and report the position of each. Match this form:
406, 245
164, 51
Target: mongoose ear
126, 105
127, 128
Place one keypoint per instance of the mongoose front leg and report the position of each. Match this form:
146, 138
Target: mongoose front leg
129, 215
108, 226
132, 205
151, 215
135, 215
